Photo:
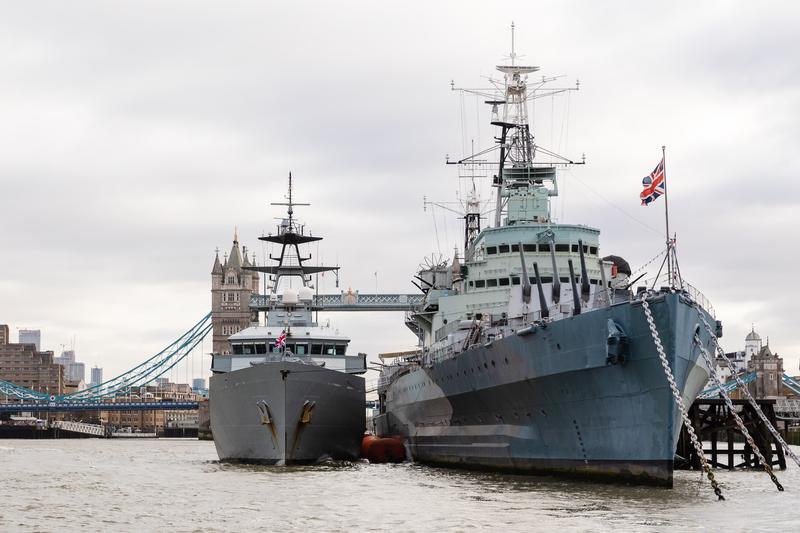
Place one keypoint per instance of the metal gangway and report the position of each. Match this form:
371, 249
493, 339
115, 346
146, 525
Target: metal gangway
80, 427
350, 301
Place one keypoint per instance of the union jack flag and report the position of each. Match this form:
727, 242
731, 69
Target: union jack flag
653, 184
280, 342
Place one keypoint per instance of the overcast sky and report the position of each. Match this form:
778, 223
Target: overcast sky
134, 136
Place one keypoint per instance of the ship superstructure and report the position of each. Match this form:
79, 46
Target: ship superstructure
288, 392
535, 355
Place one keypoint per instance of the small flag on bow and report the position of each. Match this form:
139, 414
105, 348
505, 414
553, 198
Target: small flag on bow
653, 184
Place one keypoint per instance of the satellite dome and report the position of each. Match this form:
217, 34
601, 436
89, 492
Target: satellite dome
289, 296
305, 294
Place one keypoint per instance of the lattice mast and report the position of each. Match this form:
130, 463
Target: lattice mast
290, 235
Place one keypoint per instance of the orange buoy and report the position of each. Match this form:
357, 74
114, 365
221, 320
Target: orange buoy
366, 443
383, 449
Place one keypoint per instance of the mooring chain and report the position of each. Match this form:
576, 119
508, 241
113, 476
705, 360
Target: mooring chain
678, 399
736, 417
743, 387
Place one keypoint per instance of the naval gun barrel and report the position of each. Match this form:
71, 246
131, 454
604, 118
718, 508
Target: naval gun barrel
526, 284
576, 301
584, 276
542, 303
556, 281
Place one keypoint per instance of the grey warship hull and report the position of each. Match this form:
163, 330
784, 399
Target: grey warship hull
549, 399
285, 412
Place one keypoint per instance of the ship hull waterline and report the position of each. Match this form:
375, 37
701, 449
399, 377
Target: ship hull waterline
285, 413
550, 402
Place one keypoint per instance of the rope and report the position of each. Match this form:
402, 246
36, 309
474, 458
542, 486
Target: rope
741, 385
736, 417
649, 262
678, 399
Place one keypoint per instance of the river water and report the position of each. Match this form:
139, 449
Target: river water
177, 485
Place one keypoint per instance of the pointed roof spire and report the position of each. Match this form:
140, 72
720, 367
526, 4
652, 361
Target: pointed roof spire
235, 257
217, 265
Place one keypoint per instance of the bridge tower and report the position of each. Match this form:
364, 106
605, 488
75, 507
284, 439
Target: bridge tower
231, 286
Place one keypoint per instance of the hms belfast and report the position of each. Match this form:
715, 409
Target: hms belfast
288, 393
535, 355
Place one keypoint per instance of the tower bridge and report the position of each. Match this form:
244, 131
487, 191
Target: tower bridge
115, 394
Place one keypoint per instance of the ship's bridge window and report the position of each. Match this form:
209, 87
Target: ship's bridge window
515, 280
491, 250
491, 283
564, 248
503, 282
502, 249
237, 349
593, 281
471, 283
340, 349
480, 283
547, 279
564, 279
316, 349
515, 247
301, 349
593, 250
328, 349
528, 247
543, 247
248, 349
261, 348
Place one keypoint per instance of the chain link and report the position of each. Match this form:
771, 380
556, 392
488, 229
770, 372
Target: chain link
743, 387
736, 417
678, 399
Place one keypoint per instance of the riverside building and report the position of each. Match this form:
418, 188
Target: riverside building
24, 365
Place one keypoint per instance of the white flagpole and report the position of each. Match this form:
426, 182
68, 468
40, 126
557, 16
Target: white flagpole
666, 215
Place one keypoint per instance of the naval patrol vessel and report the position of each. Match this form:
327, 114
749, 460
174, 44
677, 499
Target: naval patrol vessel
288, 393
535, 355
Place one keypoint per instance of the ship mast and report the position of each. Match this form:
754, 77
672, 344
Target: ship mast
290, 235
519, 180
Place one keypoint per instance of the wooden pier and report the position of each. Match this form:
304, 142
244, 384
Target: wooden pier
716, 427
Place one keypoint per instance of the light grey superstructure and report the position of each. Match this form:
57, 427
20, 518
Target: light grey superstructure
534, 353
288, 392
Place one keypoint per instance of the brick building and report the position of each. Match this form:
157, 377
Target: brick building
25, 366
155, 420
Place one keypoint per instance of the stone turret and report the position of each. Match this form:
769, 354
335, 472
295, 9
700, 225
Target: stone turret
769, 373
231, 287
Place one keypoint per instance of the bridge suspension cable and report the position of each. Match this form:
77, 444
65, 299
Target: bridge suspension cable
142, 374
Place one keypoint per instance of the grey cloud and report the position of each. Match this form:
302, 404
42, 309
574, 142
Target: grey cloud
135, 136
